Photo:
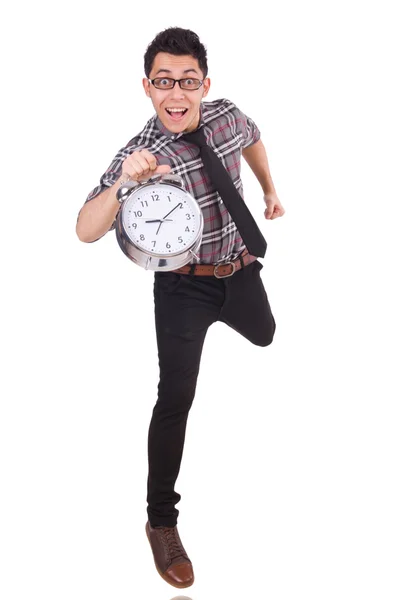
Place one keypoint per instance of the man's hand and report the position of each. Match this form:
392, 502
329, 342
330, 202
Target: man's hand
273, 204
142, 165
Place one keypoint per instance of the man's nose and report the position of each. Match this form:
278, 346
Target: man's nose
177, 91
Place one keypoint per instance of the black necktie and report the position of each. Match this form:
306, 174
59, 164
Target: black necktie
245, 222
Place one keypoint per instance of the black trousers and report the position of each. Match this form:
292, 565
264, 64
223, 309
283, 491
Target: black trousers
185, 307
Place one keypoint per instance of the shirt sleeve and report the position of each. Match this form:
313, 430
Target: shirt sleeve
248, 129
109, 178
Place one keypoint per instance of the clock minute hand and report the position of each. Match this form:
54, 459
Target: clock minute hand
179, 204
165, 219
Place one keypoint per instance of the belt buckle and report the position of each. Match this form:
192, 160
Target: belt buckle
229, 262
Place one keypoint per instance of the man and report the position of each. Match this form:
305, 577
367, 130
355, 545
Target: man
222, 284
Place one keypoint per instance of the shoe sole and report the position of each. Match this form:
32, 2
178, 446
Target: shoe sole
162, 575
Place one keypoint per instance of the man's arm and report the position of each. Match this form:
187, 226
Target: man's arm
256, 157
97, 216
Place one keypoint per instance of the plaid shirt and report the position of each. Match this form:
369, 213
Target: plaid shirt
228, 131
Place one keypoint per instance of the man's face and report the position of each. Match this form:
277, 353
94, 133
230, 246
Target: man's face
176, 67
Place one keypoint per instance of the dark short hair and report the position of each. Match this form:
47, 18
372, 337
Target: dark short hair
179, 42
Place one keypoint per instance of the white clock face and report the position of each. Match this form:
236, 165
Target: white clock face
162, 219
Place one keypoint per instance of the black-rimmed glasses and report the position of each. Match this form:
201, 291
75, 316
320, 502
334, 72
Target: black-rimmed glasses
167, 83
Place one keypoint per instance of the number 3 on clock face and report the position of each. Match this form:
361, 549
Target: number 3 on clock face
162, 219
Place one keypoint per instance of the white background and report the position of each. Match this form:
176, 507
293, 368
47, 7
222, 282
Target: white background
288, 478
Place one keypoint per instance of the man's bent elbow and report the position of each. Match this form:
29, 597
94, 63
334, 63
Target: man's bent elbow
84, 237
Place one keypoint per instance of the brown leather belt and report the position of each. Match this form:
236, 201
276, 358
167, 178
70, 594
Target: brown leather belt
221, 270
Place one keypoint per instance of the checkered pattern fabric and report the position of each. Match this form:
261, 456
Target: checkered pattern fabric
228, 131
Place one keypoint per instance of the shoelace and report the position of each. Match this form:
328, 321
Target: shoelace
172, 543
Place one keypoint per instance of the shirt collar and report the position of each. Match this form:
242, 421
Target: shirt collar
174, 136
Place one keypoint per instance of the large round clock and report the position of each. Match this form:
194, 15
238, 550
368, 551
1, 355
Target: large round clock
159, 226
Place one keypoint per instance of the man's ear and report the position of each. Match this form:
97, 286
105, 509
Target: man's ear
206, 85
146, 86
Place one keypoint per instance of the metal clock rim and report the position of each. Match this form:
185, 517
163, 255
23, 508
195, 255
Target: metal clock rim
144, 257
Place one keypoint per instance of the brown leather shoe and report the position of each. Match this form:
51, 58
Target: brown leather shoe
170, 558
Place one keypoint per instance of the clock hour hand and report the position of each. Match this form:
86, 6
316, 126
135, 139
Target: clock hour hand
157, 220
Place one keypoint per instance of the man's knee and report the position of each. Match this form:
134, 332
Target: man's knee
176, 396
267, 336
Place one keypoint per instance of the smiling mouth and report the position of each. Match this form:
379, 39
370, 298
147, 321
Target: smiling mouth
176, 115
